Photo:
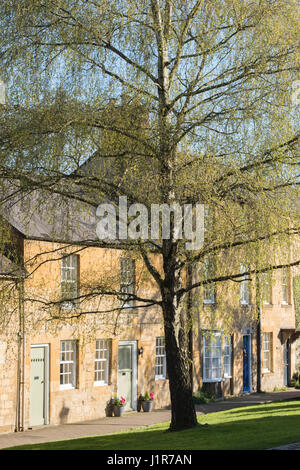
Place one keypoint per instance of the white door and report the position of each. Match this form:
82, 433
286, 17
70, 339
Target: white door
127, 374
38, 385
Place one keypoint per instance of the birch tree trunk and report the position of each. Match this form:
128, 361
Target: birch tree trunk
177, 327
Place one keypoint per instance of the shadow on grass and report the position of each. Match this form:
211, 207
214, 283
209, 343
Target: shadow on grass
240, 434
270, 409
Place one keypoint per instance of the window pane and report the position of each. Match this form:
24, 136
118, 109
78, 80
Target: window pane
212, 356
127, 276
227, 356
69, 280
266, 287
209, 289
267, 351
285, 285
67, 363
124, 357
245, 286
101, 360
160, 359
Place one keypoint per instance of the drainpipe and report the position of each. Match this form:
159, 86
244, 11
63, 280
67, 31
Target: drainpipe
18, 393
21, 360
17, 425
258, 334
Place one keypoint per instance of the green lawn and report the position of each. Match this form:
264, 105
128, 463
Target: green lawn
253, 427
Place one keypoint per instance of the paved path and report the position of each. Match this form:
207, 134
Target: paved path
246, 400
132, 420
295, 446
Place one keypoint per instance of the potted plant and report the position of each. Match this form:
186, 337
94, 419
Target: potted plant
147, 401
118, 405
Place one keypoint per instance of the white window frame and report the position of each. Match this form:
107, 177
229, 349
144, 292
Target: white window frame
69, 277
245, 287
227, 354
104, 347
285, 286
71, 385
267, 342
206, 344
160, 353
127, 280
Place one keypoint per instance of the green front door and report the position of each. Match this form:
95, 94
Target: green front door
37, 386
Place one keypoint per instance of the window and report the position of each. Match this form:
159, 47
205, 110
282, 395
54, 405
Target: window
267, 352
285, 286
68, 358
160, 359
227, 356
208, 221
102, 347
266, 288
244, 292
212, 357
69, 280
127, 268
209, 289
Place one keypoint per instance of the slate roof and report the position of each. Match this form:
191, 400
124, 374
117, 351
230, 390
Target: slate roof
40, 214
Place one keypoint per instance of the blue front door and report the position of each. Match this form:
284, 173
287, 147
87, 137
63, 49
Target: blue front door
246, 364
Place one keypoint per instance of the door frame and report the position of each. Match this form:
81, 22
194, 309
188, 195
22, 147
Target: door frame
287, 362
134, 370
46, 379
249, 362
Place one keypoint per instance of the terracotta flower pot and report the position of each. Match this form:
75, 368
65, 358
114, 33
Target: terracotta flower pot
147, 405
118, 410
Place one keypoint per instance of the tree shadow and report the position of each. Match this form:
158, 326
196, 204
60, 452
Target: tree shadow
258, 409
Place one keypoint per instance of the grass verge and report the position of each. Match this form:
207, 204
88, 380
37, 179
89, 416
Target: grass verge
254, 427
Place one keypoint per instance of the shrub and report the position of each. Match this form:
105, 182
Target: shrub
295, 382
203, 397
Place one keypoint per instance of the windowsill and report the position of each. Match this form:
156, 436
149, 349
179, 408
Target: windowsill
207, 381
267, 304
100, 384
160, 377
67, 387
227, 377
208, 302
283, 304
267, 372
